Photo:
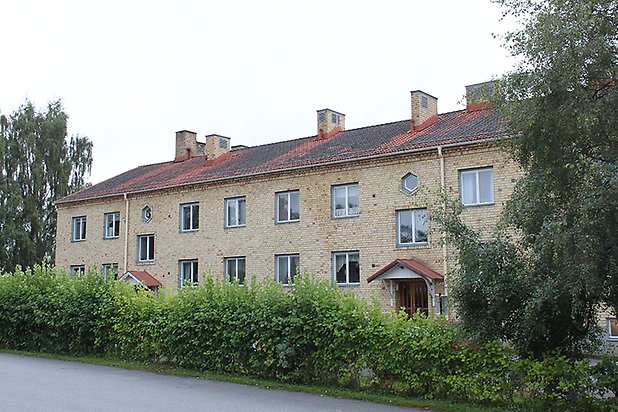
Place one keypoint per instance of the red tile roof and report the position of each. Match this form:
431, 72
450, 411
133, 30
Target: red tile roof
146, 278
412, 264
454, 128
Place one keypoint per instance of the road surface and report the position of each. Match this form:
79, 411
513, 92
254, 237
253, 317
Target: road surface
36, 384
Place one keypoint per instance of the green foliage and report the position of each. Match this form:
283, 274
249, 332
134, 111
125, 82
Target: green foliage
310, 333
38, 165
540, 289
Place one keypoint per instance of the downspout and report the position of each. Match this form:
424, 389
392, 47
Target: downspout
126, 233
442, 189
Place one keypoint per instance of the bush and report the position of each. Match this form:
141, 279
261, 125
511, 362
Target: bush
310, 333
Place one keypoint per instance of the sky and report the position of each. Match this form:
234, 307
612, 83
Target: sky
132, 73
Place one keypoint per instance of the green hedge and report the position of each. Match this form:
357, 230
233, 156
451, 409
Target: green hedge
311, 333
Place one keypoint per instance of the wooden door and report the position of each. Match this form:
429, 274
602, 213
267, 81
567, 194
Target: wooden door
413, 297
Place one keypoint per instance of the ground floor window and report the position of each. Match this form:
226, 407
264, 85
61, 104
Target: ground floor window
612, 328
235, 269
287, 268
188, 273
110, 271
77, 270
346, 268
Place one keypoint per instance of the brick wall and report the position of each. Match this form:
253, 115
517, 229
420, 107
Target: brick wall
373, 233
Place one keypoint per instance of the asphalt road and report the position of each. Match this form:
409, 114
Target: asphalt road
36, 384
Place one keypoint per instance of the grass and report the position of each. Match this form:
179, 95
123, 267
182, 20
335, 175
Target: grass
430, 404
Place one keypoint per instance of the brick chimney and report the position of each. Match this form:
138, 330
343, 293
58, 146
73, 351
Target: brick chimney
216, 145
186, 145
478, 95
424, 110
330, 123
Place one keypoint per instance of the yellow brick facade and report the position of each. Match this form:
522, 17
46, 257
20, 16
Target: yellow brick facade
315, 237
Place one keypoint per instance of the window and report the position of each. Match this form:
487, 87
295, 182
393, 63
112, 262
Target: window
189, 217
321, 117
424, 102
476, 186
77, 270
236, 212
110, 271
612, 329
146, 214
409, 183
222, 143
335, 118
188, 273
345, 200
145, 246
412, 227
288, 207
287, 268
346, 268
111, 221
79, 228
235, 269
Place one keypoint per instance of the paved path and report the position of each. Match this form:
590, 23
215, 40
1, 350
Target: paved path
36, 384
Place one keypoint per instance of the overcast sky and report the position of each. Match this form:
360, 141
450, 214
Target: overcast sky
132, 73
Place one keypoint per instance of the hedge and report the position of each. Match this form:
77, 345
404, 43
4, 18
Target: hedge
310, 333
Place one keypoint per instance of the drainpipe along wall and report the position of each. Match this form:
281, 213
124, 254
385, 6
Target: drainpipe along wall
126, 234
442, 189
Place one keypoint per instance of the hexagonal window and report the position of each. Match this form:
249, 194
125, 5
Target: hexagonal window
409, 183
146, 214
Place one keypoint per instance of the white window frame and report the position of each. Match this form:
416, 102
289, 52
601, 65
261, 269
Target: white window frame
149, 244
235, 200
110, 268
193, 225
115, 220
288, 262
405, 188
288, 195
78, 231
226, 262
414, 241
476, 172
347, 212
187, 279
347, 265
79, 270
611, 337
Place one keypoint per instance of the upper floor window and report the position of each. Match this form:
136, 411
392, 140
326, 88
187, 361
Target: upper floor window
236, 212
288, 207
77, 270
409, 183
189, 217
345, 200
110, 271
188, 273
146, 214
287, 268
79, 228
235, 269
476, 186
111, 221
145, 248
412, 227
346, 268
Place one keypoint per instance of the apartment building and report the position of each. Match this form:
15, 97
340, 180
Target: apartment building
354, 207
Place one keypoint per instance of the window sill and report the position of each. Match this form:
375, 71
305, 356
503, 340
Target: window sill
111, 238
145, 262
478, 204
412, 244
345, 217
234, 227
345, 285
77, 240
284, 222
188, 231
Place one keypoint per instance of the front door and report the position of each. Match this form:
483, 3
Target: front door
413, 297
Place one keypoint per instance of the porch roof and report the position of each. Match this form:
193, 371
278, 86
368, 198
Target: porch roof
414, 265
142, 276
